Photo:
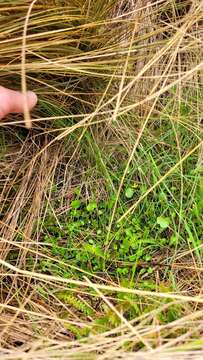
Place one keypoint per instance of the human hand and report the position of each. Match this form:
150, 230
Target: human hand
13, 101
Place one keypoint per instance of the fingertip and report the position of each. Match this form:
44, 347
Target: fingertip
32, 99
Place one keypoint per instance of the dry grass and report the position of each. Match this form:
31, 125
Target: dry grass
92, 63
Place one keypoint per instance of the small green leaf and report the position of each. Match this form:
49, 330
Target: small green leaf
77, 191
129, 192
75, 204
91, 206
148, 258
163, 222
173, 240
133, 257
94, 250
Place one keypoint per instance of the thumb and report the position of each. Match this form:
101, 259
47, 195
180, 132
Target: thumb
13, 101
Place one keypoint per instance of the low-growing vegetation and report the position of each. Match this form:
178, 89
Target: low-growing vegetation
102, 199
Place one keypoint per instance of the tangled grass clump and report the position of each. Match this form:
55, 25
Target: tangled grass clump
101, 200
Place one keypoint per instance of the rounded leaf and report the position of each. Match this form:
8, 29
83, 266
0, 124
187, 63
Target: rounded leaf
75, 204
163, 222
129, 192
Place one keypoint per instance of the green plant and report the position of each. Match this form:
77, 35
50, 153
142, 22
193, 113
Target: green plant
107, 183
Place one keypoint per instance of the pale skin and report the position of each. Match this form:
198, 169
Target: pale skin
12, 102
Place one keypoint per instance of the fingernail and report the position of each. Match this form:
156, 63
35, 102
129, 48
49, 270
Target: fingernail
32, 99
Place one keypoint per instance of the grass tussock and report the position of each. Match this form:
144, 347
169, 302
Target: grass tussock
101, 199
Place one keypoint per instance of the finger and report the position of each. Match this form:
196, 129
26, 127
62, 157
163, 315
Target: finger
13, 101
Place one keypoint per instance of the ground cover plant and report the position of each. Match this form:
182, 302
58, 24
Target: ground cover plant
102, 198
